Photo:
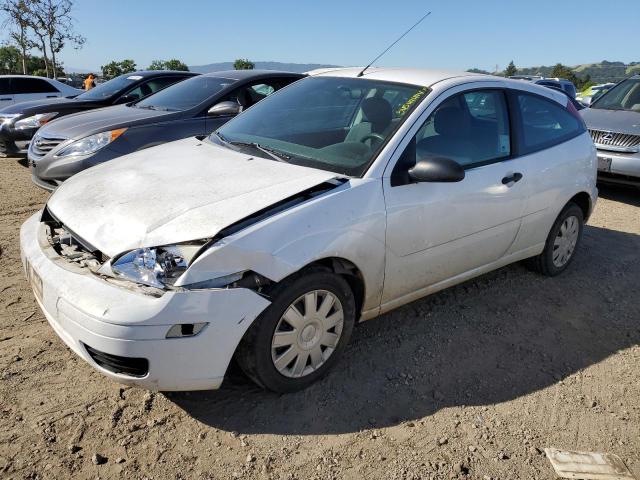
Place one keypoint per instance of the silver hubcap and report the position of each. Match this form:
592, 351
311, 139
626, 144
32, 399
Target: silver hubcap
565, 242
307, 333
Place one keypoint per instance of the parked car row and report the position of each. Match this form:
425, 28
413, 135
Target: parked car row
19, 123
338, 197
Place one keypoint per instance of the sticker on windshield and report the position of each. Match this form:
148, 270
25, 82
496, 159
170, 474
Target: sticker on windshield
402, 109
134, 77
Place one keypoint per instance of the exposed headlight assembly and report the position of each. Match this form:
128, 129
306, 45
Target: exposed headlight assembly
157, 266
160, 267
34, 121
90, 144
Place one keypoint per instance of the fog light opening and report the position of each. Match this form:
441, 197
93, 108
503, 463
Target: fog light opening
182, 330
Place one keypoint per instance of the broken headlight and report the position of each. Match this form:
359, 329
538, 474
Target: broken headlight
156, 266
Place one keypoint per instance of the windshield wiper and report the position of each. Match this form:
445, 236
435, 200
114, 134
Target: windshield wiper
272, 152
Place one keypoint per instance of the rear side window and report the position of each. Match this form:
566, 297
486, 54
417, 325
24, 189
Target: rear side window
32, 85
545, 123
5, 86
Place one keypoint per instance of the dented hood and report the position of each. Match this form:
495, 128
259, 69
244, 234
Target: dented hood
180, 191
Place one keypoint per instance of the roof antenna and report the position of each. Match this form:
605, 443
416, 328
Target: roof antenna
390, 46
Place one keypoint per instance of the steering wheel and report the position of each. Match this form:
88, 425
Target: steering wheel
372, 136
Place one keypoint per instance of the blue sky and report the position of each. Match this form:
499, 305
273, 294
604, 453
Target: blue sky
459, 34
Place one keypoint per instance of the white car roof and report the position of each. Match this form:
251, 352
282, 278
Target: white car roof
429, 78
412, 76
25, 76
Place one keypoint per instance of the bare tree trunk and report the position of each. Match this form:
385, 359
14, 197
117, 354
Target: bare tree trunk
23, 43
46, 57
24, 61
53, 59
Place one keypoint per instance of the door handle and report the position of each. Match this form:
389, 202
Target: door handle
513, 178
4, 99
52, 96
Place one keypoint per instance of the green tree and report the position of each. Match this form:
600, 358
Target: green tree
115, 68
156, 65
10, 60
173, 64
52, 21
243, 64
511, 69
17, 23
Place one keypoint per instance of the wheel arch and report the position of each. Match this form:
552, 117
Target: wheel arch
583, 200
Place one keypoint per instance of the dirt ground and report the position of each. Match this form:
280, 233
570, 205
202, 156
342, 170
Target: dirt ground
470, 383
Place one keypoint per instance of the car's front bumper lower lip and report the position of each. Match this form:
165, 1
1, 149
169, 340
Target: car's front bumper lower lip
627, 164
85, 310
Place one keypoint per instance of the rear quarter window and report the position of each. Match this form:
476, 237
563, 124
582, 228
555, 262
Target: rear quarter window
32, 85
5, 86
544, 123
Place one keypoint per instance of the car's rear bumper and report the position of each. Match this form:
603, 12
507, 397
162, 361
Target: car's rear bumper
122, 326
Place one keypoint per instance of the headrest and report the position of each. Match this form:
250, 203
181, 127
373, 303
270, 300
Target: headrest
378, 112
450, 121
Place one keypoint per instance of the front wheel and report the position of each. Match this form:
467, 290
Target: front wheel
299, 337
561, 244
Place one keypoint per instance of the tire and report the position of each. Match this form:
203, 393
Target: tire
544, 263
258, 353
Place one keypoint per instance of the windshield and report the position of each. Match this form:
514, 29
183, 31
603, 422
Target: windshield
624, 96
186, 94
330, 123
110, 88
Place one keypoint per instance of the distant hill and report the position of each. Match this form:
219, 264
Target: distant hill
602, 72
287, 67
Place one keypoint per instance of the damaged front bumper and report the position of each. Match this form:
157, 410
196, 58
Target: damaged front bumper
122, 331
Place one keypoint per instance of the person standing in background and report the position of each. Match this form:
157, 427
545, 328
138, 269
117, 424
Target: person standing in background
89, 82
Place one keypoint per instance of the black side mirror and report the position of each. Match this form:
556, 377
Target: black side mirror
224, 109
436, 169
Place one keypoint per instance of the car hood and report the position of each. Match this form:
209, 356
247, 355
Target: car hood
618, 121
79, 125
180, 191
41, 106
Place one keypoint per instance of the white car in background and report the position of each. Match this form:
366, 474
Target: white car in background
23, 88
336, 199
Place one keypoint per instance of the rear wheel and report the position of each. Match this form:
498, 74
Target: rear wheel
561, 244
300, 336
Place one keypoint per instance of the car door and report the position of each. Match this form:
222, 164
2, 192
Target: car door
6, 95
27, 88
438, 231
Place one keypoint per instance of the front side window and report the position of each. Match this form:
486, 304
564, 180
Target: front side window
471, 128
545, 123
248, 95
624, 96
150, 87
330, 123
186, 94
32, 85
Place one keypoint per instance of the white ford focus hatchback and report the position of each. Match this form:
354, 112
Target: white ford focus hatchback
334, 200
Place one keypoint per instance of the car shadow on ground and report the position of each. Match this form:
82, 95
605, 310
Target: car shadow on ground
490, 340
23, 161
620, 193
